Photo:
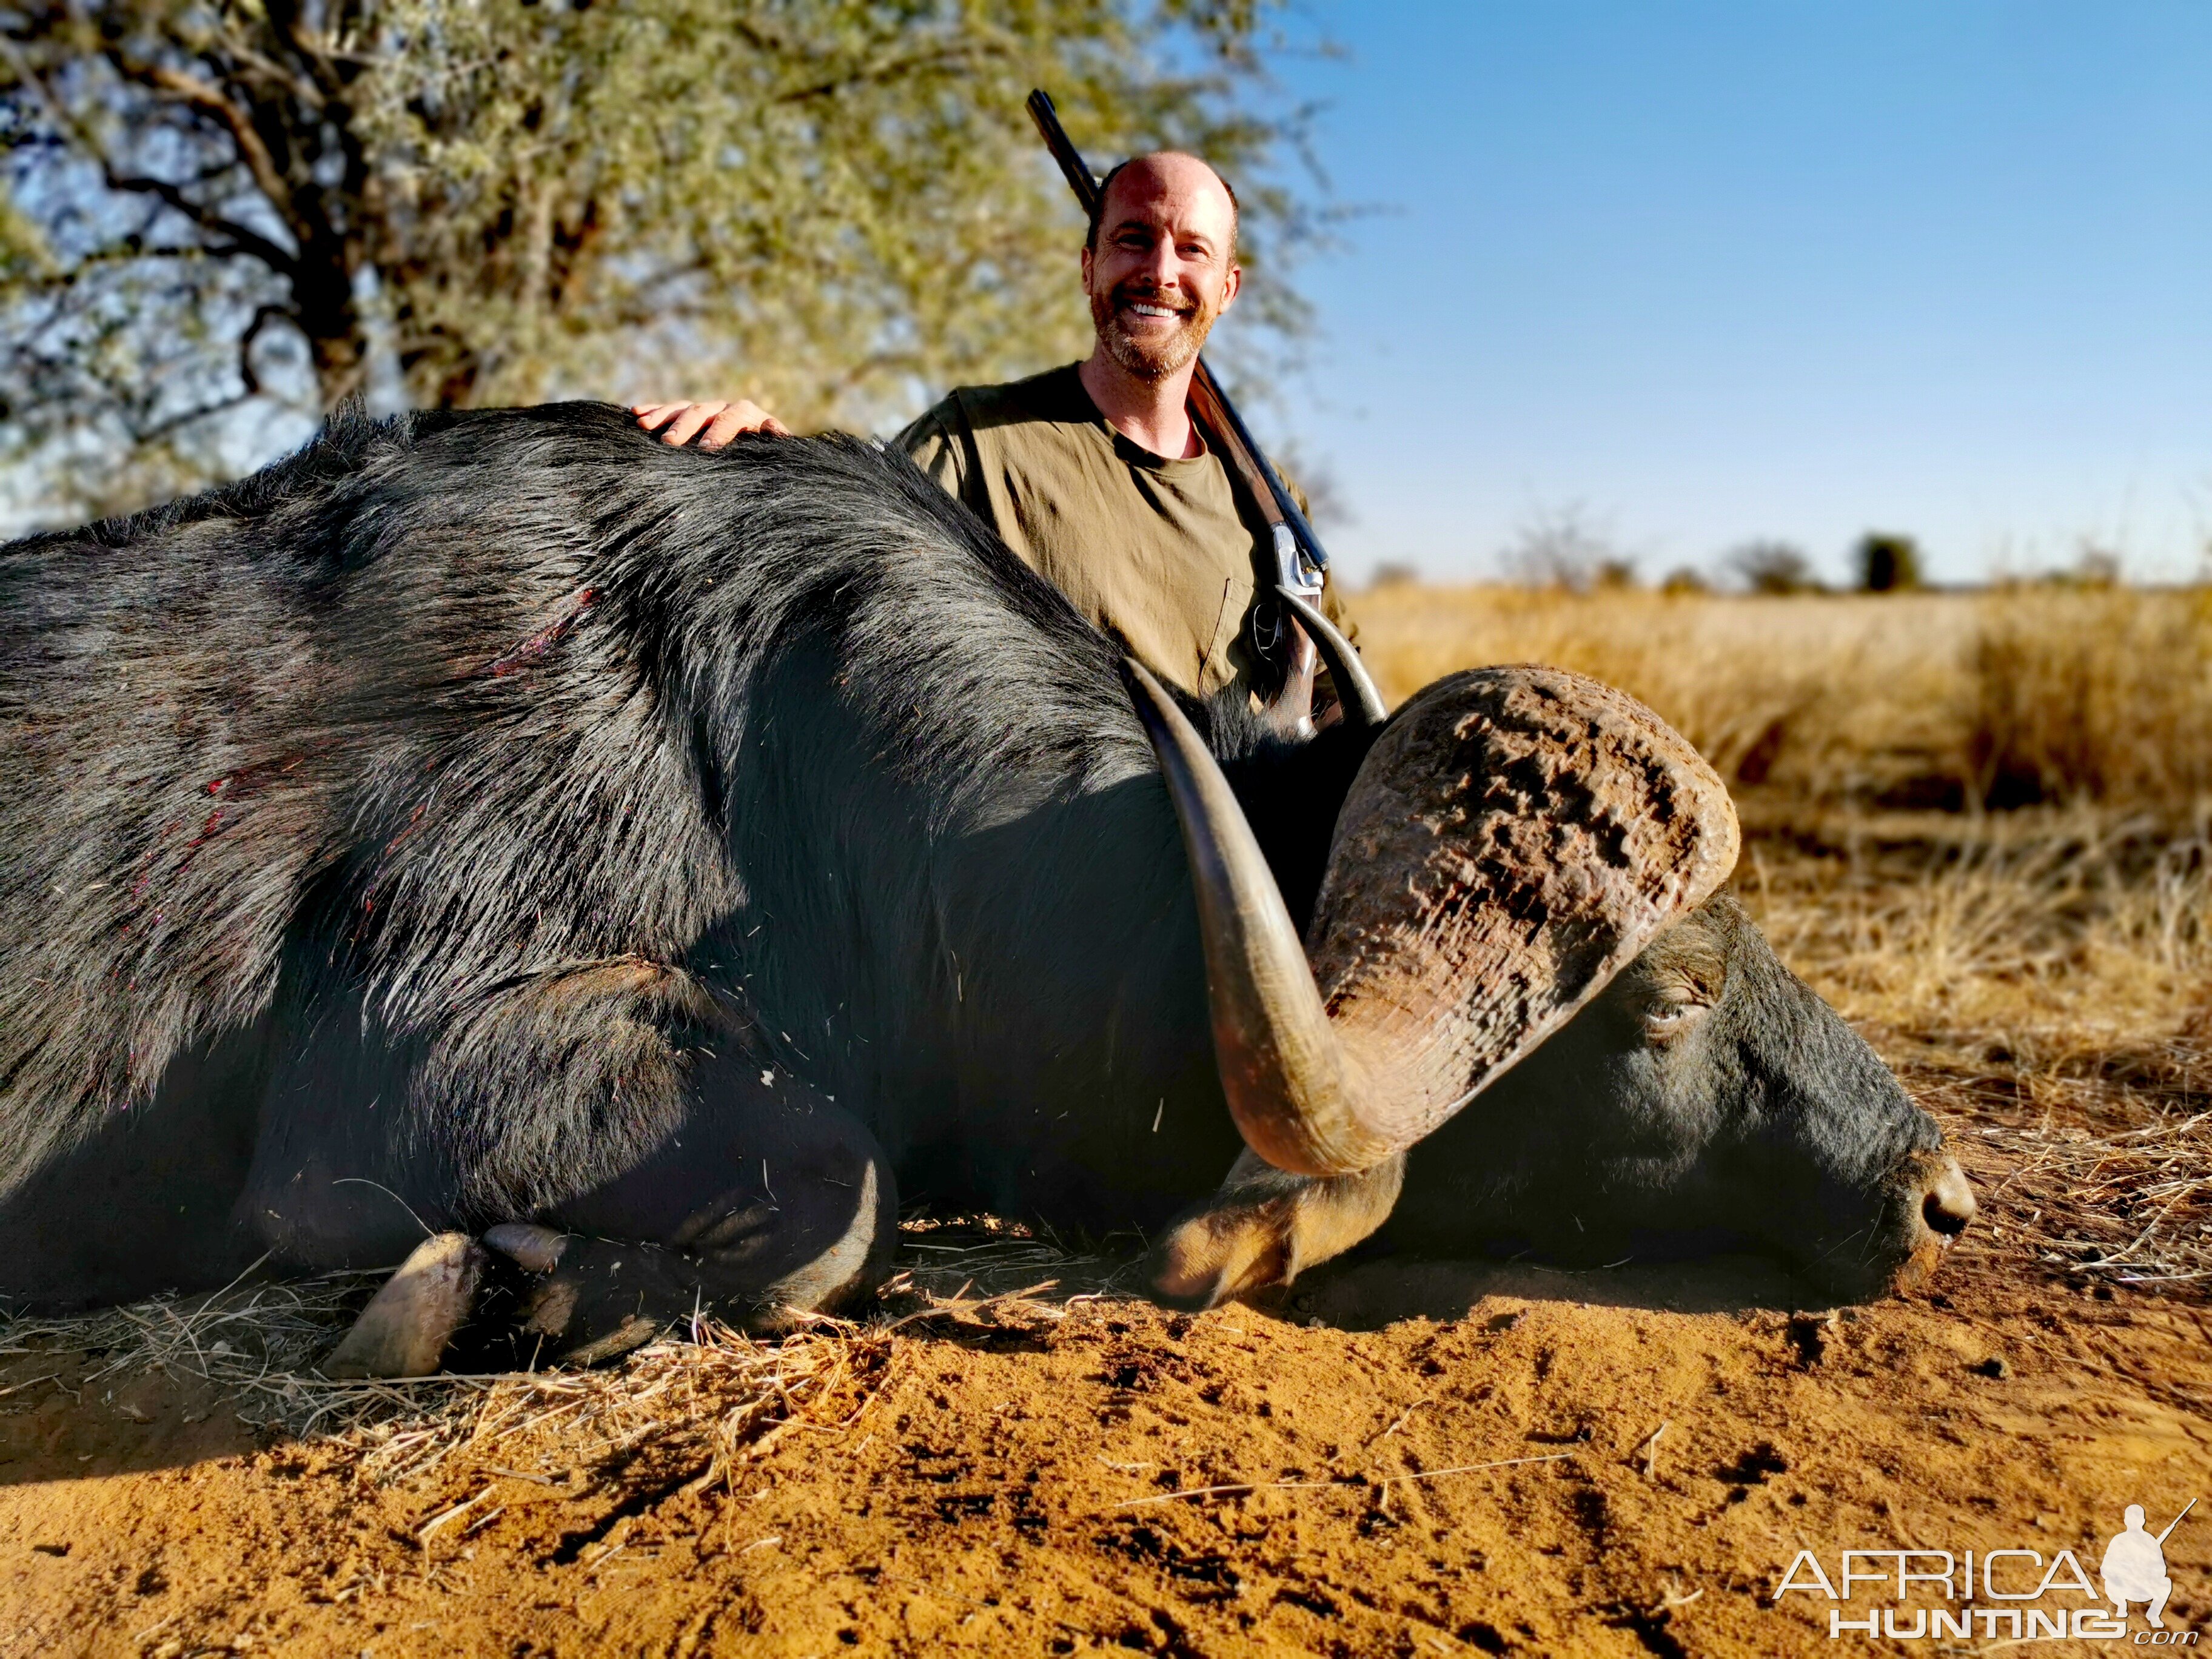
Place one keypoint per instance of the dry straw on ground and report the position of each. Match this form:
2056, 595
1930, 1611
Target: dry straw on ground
707, 1399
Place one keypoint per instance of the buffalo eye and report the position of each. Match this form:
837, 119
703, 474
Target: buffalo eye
1671, 1013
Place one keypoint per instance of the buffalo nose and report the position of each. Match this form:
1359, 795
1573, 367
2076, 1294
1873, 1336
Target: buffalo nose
1947, 1204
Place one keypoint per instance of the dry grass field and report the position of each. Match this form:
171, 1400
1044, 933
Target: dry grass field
1980, 823
2009, 793
2002, 698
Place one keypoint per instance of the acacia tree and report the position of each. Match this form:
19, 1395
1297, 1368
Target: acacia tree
216, 208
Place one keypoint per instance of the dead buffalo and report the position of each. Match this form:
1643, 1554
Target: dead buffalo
479, 820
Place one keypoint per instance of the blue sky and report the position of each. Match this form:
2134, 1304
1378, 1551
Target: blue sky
1707, 272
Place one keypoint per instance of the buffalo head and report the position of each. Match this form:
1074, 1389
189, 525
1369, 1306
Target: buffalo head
1517, 959
1706, 1098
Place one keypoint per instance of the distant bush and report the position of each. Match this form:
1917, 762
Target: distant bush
1567, 547
2095, 568
1887, 564
1392, 573
1771, 566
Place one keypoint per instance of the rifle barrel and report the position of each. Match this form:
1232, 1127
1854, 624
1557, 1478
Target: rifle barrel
1072, 164
2177, 1520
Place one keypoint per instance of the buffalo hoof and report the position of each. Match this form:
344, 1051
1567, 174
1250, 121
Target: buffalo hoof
532, 1248
604, 1298
405, 1330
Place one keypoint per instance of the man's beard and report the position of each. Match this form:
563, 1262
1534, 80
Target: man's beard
1155, 357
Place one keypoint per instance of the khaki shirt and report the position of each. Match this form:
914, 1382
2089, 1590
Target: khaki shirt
1162, 554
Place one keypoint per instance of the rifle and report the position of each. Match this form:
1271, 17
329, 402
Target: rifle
2176, 1521
1299, 561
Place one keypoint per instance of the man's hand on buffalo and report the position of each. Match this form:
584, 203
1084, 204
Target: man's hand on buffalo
713, 424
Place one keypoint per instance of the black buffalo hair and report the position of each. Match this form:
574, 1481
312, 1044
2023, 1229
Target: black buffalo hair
541, 757
508, 815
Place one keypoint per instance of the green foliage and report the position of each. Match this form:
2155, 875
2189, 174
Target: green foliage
829, 205
1889, 563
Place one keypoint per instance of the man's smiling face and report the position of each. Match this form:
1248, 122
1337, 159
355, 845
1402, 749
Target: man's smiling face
1164, 267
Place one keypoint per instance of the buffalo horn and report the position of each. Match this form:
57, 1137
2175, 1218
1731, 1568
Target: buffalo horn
1514, 838
1363, 707
1292, 1089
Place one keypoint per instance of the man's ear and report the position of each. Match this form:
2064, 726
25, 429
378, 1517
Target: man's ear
1230, 287
1086, 267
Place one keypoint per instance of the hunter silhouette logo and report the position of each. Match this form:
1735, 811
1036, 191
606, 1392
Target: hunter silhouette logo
2014, 1594
2134, 1568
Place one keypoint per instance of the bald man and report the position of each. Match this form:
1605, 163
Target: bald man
1094, 473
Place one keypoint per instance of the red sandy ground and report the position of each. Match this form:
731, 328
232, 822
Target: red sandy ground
985, 1496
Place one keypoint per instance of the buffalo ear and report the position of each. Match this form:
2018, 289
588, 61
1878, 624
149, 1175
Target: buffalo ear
1514, 838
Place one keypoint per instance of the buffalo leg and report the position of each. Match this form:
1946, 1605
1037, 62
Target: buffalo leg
774, 1210
609, 1102
142, 1203
1263, 1228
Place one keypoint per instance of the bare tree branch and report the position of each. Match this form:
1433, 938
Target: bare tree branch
242, 239
238, 239
208, 100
